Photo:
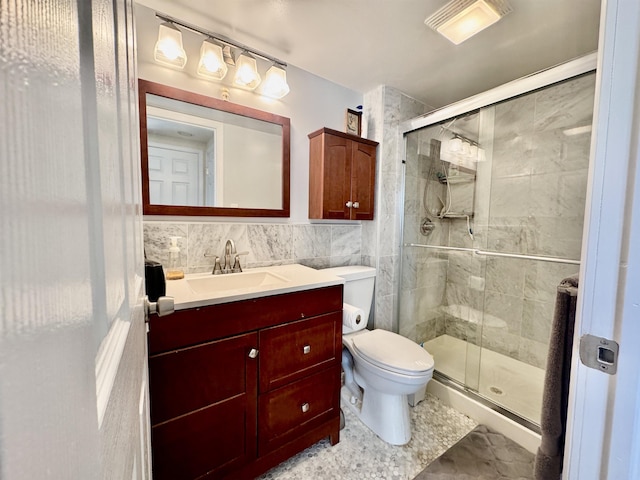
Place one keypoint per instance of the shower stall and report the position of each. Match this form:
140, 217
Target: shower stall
494, 198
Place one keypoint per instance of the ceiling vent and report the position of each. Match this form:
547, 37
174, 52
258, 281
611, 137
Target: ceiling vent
459, 20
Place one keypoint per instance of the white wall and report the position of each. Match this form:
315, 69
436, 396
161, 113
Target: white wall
313, 102
252, 163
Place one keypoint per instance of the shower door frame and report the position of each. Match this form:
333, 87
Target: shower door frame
545, 78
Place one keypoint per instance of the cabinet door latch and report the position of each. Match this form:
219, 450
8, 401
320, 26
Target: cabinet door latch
599, 353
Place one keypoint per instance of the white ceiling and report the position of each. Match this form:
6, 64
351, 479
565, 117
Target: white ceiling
361, 44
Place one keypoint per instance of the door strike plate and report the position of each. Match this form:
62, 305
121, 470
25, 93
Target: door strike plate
599, 353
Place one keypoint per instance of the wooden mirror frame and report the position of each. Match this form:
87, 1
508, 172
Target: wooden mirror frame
144, 87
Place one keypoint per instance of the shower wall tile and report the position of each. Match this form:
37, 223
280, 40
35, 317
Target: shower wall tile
385, 275
368, 260
513, 117
505, 307
384, 308
388, 196
369, 239
566, 105
537, 318
532, 352
510, 197
388, 244
508, 235
542, 279
505, 275
503, 342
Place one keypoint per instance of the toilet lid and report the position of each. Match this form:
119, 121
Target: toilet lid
394, 352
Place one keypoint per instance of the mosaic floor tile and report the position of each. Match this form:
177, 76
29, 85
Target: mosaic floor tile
360, 454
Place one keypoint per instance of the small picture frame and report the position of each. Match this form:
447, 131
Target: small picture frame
353, 122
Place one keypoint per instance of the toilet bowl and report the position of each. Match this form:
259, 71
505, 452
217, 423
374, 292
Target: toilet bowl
381, 367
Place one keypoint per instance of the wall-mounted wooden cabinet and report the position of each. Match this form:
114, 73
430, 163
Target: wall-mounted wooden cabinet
237, 388
342, 174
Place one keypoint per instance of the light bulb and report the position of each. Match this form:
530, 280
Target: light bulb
212, 63
169, 50
247, 75
275, 84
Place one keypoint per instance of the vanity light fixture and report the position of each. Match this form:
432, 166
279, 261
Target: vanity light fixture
247, 75
212, 63
169, 50
216, 53
275, 84
459, 20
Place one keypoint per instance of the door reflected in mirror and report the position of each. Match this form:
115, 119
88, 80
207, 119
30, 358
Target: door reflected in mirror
203, 156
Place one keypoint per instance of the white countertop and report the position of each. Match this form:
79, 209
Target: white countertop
298, 278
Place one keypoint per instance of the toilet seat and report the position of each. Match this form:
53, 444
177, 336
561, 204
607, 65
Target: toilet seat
393, 352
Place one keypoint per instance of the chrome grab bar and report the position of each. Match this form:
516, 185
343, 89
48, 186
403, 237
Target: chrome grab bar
541, 258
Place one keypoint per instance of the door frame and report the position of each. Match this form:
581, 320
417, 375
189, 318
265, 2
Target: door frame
603, 428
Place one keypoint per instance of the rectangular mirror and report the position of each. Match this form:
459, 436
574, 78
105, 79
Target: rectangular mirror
204, 156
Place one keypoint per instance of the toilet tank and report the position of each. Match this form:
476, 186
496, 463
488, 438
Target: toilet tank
358, 286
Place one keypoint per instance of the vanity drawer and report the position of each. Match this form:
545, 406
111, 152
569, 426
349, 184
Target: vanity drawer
287, 412
295, 350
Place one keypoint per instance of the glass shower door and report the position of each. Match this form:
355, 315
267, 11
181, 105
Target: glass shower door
442, 281
494, 204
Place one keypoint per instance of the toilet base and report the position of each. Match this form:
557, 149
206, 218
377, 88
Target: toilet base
386, 415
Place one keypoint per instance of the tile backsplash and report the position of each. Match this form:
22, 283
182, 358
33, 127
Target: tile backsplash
317, 246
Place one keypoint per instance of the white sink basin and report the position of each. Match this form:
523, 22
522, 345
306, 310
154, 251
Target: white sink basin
234, 281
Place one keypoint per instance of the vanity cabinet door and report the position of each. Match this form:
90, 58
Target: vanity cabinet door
203, 408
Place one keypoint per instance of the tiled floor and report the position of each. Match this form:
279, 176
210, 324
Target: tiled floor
361, 454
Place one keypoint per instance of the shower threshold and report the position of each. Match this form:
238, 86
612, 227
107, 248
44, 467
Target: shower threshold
507, 386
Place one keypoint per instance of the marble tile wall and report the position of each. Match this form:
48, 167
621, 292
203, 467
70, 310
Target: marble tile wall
530, 197
385, 108
317, 246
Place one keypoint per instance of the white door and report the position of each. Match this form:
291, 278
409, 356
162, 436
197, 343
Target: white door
175, 175
73, 391
603, 438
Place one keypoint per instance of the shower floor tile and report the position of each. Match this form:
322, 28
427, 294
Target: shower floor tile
361, 454
510, 383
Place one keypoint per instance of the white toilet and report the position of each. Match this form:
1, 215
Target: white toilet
381, 367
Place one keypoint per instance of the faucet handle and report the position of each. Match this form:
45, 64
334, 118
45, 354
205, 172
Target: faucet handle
236, 265
217, 269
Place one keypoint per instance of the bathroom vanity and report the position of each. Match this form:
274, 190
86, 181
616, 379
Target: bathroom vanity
242, 378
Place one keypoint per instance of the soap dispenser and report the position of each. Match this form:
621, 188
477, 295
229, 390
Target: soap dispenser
174, 270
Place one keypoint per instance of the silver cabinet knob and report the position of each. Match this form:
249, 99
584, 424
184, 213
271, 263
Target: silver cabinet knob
349, 204
305, 407
163, 306
356, 204
253, 353
306, 349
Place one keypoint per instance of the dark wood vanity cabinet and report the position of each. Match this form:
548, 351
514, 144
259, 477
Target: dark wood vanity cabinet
342, 170
237, 388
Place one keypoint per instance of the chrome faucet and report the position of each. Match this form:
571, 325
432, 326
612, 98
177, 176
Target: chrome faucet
229, 250
230, 255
